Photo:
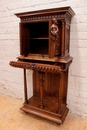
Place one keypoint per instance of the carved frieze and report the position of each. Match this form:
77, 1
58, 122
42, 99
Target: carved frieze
44, 17
37, 67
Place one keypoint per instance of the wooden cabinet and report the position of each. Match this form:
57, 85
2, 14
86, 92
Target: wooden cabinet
44, 48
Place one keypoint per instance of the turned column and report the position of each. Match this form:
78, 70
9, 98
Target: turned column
41, 85
63, 40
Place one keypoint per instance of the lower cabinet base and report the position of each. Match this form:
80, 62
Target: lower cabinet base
46, 112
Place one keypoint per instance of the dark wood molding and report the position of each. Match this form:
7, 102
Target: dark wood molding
39, 67
47, 11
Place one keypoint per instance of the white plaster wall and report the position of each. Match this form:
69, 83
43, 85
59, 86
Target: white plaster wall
11, 79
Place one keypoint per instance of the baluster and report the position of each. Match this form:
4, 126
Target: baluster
41, 84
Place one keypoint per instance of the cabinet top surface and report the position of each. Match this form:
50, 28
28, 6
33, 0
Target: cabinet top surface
67, 9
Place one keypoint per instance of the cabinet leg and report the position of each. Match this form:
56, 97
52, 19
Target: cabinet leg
25, 87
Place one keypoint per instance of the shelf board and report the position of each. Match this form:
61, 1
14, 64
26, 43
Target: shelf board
37, 57
44, 38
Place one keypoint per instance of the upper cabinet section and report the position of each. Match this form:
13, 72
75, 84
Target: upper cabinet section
45, 34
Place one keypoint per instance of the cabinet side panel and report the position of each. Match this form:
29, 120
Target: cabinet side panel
54, 83
65, 87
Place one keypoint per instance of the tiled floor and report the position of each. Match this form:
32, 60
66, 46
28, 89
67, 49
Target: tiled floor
12, 118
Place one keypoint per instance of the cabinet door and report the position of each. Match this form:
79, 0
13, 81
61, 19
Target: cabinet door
24, 39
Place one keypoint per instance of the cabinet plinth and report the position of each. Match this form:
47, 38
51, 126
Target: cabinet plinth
44, 48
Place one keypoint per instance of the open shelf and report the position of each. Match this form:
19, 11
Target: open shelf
35, 38
39, 46
39, 29
36, 29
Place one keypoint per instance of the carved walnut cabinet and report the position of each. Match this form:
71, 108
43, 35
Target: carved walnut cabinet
44, 48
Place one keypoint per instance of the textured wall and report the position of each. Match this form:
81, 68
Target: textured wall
11, 79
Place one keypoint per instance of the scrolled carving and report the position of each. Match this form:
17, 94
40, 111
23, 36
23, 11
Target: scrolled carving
54, 29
